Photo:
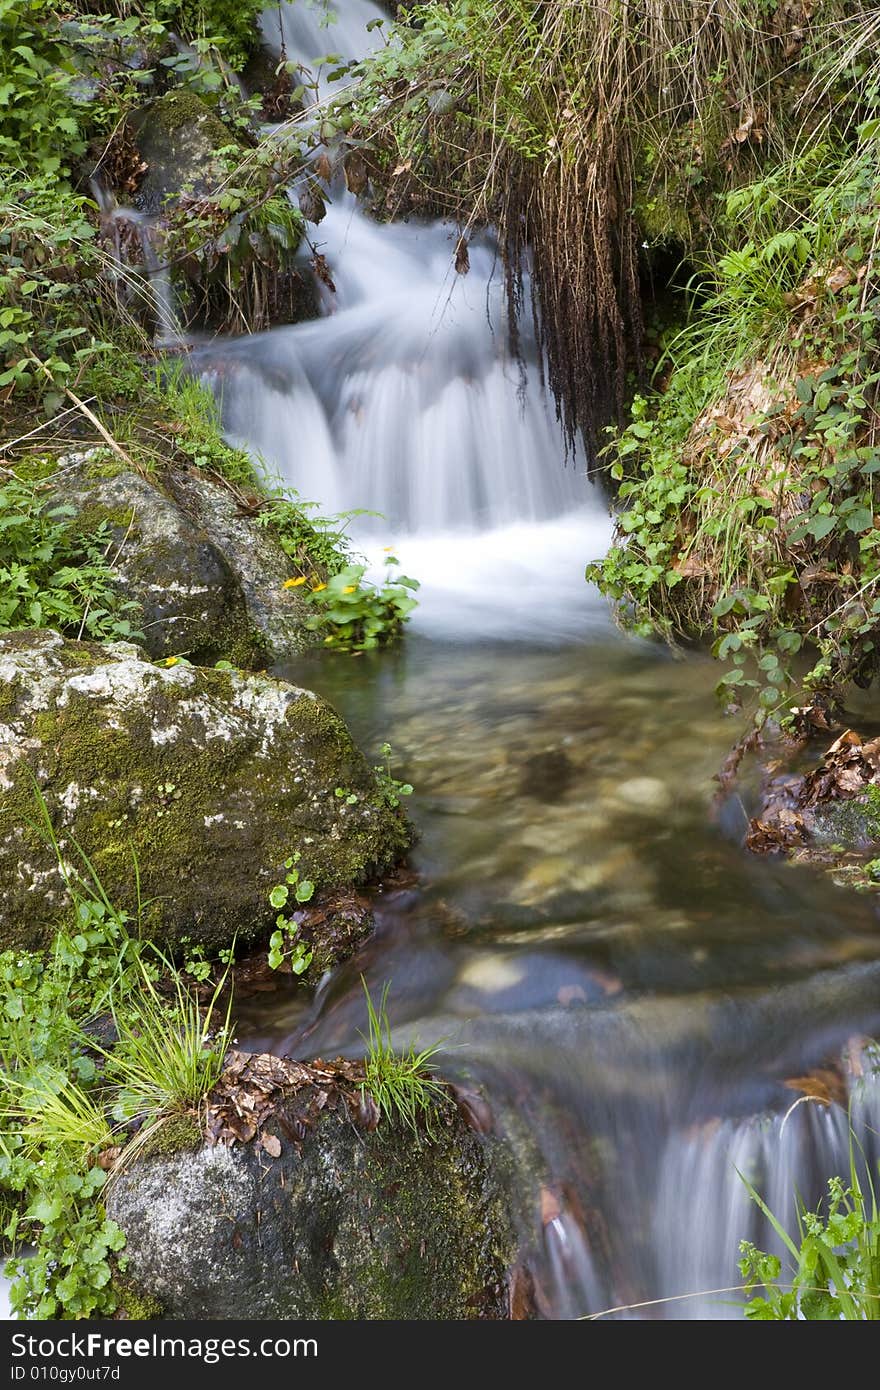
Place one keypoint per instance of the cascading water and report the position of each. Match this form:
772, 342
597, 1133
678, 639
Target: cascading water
404, 399
630, 991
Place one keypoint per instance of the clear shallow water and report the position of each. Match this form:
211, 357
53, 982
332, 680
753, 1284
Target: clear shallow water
581, 925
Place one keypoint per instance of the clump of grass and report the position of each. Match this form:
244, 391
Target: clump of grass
402, 1084
54, 1112
169, 1052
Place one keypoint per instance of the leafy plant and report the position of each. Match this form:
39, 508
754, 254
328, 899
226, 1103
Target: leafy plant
401, 1084
835, 1270
51, 573
283, 943
390, 789
748, 484
355, 615
62, 1085
169, 1051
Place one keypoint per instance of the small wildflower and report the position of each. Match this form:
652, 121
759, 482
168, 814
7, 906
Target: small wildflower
294, 583
318, 587
350, 589
388, 549
172, 660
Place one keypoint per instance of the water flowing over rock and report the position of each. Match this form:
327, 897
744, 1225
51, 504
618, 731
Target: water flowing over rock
210, 779
324, 1215
208, 580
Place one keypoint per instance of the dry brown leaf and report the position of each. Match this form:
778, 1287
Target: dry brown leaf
272, 1145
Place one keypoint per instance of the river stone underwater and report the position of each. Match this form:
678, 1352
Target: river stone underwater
581, 925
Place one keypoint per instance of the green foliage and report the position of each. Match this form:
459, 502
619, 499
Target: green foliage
283, 943
169, 1052
835, 1271
68, 73
246, 232
315, 544
230, 26
355, 615
192, 415
390, 789
750, 500
53, 291
401, 1084
351, 612
67, 1098
51, 574
40, 118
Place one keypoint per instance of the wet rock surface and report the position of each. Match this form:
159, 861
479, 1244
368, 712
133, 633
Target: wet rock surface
177, 136
305, 1207
828, 815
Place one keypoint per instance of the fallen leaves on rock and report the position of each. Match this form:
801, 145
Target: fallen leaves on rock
256, 1088
847, 769
816, 717
785, 821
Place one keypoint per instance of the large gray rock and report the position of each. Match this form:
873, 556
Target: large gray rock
212, 779
343, 1222
208, 580
189, 598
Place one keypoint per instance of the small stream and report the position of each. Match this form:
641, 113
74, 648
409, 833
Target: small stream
581, 925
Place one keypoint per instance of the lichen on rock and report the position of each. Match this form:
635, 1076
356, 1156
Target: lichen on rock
209, 779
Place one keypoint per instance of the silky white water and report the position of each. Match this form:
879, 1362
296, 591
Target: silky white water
405, 399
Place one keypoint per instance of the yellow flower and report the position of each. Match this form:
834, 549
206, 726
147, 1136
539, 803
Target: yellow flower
350, 589
318, 587
388, 549
171, 660
294, 583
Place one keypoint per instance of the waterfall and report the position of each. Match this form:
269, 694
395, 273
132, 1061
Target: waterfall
116, 222
405, 399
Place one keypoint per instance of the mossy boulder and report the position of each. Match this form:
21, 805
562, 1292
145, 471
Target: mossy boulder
208, 580
324, 1218
211, 779
177, 136
276, 616
189, 598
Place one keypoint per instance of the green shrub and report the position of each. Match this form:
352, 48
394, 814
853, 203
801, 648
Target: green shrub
355, 615
835, 1269
53, 575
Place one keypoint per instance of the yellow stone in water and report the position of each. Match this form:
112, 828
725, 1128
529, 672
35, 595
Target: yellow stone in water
491, 974
646, 793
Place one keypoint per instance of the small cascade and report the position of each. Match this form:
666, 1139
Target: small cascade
311, 29
404, 399
703, 1207
120, 225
